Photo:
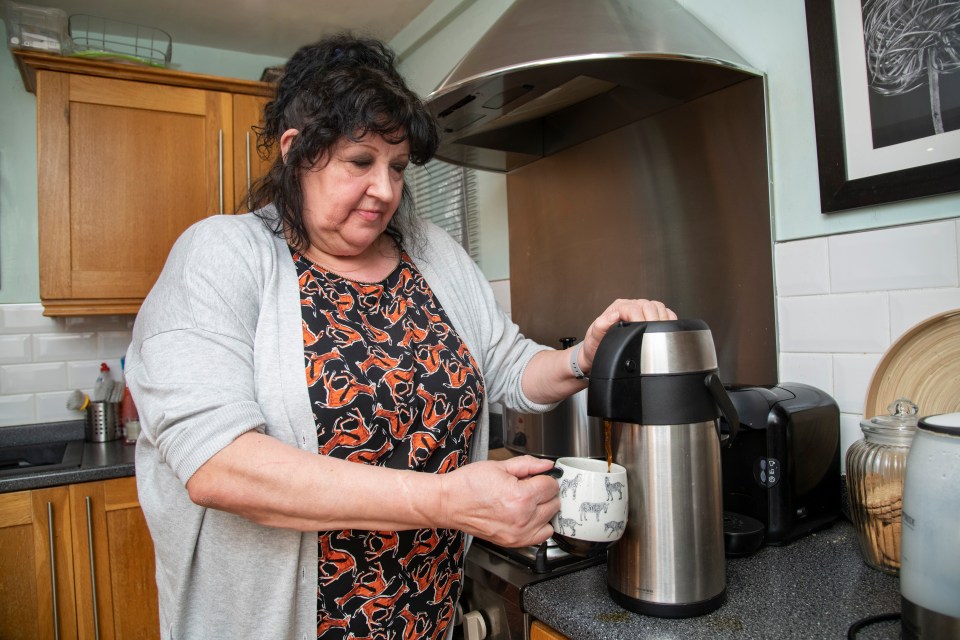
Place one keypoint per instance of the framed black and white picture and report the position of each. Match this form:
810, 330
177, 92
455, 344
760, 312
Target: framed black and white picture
886, 96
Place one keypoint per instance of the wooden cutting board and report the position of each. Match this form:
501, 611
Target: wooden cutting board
923, 365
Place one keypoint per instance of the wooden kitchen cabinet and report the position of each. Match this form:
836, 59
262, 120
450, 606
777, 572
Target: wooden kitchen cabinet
114, 565
129, 157
247, 163
103, 564
36, 553
540, 631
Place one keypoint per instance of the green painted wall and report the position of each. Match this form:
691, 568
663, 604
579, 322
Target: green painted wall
772, 36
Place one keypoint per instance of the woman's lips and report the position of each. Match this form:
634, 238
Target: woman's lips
369, 214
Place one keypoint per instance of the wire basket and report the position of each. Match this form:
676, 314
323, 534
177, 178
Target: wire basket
95, 37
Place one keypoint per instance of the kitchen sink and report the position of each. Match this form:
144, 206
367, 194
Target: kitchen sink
40, 457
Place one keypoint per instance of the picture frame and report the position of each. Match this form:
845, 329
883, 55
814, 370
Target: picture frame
833, 50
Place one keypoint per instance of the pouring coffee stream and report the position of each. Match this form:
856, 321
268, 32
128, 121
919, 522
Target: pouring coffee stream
607, 427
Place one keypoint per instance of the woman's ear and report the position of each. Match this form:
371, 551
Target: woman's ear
286, 139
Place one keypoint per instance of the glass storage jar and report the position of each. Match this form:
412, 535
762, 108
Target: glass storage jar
875, 471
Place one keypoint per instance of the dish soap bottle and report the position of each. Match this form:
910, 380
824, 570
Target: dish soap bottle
104, 384
129, 417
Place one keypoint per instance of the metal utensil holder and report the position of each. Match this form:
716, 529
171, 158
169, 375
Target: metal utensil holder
102, 423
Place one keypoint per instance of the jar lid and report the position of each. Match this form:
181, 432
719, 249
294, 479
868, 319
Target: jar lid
946, 423
901, 419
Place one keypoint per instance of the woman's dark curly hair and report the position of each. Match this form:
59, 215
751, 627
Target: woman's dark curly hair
342, 86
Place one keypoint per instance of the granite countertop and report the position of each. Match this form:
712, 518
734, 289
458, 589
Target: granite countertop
100, 460
815, 587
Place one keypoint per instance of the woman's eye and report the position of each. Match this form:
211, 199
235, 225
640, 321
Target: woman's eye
400, 168
363, 163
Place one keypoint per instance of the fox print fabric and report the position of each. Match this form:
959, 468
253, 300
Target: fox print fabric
391, 384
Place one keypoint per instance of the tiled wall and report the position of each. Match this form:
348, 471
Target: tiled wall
842, 301
43, 359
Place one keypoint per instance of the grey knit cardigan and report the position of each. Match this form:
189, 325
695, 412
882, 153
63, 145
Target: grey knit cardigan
217, 351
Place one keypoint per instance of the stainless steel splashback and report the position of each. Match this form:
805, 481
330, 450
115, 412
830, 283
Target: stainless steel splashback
674, 207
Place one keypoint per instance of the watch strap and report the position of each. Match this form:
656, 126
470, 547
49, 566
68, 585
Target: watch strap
574, 364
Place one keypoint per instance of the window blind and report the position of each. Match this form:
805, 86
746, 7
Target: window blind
446, 195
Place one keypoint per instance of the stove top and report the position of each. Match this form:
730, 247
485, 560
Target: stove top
545, 558
496, 577
522, 566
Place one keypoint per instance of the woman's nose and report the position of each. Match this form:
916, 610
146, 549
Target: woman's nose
381, 184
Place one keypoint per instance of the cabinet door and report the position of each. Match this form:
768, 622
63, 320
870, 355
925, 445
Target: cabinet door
36, 582
113, 556
247, 163
540, 631
124, 168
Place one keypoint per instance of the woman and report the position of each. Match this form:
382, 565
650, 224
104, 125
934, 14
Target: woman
325, 365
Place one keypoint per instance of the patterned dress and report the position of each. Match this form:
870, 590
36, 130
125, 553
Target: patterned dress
391, 384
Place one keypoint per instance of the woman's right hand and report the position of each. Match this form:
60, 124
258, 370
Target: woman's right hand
503, 502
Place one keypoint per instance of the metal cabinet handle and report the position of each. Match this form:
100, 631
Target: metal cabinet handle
221, 169
53, 572
93, 572
248, 162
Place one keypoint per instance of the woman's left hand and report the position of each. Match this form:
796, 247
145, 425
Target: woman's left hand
620, 310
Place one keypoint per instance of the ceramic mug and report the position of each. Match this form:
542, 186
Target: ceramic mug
593, 505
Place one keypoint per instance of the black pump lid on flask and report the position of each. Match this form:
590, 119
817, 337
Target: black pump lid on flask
623, 388
623, 345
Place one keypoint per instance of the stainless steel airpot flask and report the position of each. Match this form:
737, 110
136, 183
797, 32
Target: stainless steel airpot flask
657, 383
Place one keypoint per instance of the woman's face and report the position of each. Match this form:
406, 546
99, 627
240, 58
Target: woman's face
349, 198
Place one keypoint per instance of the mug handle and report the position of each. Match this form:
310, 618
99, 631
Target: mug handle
554, 472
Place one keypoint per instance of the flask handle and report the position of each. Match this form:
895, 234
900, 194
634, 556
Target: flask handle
715, 386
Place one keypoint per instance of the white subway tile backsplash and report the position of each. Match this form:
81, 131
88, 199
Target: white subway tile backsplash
16, 409
50, 347
815, 369
957, 223
17, 379
918, 256
501, 292
850, 432
853, 374
52, 407
881, 283
98, 323
802, 267
83, 375
26, 318
909, 308
113, 345
834, 324
15, 349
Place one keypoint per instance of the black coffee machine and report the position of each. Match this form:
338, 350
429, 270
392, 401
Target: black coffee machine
783, 467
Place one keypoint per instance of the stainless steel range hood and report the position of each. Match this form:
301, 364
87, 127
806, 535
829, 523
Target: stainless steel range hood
635, 148
550, 74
